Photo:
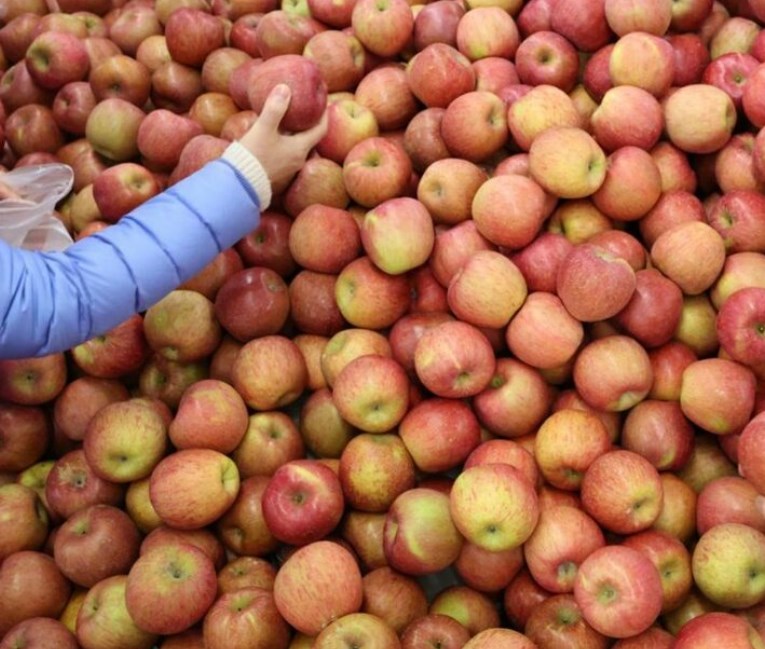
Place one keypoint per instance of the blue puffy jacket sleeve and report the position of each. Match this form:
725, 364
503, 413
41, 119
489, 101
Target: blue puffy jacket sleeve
52, 301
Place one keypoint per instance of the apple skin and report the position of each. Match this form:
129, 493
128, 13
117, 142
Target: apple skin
25, 521
496, 638
613, 579
40, 632
25, 432
315, 225
121, 188
715, 629
170, 589
366, 628
192, 34
728, 499
55, 58
558, 622
439, 73
72, 105
376, 169
112, 128
176, 487
335, 588
471, 139
121, 77
692, 132
742, 549
32, 381
394, 598
434, 629
162, 135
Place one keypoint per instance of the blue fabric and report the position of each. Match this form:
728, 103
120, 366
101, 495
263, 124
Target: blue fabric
51, 302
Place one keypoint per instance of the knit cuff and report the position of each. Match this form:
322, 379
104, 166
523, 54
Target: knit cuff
249, 166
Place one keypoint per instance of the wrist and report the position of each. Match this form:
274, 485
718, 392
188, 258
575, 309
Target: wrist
249, 166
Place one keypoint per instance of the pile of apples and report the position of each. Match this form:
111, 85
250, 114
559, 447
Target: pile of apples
487, 375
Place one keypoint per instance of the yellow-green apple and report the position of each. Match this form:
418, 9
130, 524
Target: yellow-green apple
717, 629
631, 187
422, 138
699, 118
121, 77
121, 188
340, 56
55, 58
474, 139
191, 34
257, 379
494, 506
437, 24
191, 488
514, 388
739, 551
547, 58
558, 622
434, 629
385, 91
282, 32
303, 502
246, 572
585, 25
372, 393
348, 123
256, 289
393, 597
175, 86
735, 216
72, 485
543, 333
579, 220
72, 105
728, 499
619, 591
487, 31
152, 51
270, 439
734, 387
419, 535
40, 632
112, 128
447, 188
245, 618
454, 360
659, 431
170, 588
220, 65
25, 598
471, 608
625, 16
366, 628
242, 529
308, 89
24, 520
672, 560
453, 246
313, 227
539, 260
509, 210
697, 328
398, 235
613, 373
138, 506
578, 172
627, 116
369, 297
567, 443
103, 619
268, 244
163, 134
318, 583
469, 302
544, 106
622, 491
593, 283
95, 543
563, 537
431, 451
376, 169
439, 73
653, 312
211, 414
656, 71
365, 486
347, 345
383, 29
25, 433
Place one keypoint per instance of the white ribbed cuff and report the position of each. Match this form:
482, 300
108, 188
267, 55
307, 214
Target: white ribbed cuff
249, 166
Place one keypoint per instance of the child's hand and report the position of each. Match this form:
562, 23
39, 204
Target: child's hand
281, 155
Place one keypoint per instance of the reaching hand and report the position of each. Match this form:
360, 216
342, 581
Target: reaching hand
280, 154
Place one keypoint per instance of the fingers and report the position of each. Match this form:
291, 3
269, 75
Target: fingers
275, 107
313, 135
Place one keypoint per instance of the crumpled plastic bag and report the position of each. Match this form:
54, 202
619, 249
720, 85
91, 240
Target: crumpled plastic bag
29, 221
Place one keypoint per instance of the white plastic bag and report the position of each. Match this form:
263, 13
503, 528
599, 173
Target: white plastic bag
28, 221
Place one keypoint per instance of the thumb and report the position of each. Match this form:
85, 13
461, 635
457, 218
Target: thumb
275, 106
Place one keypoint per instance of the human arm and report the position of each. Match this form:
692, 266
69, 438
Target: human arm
53, 301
